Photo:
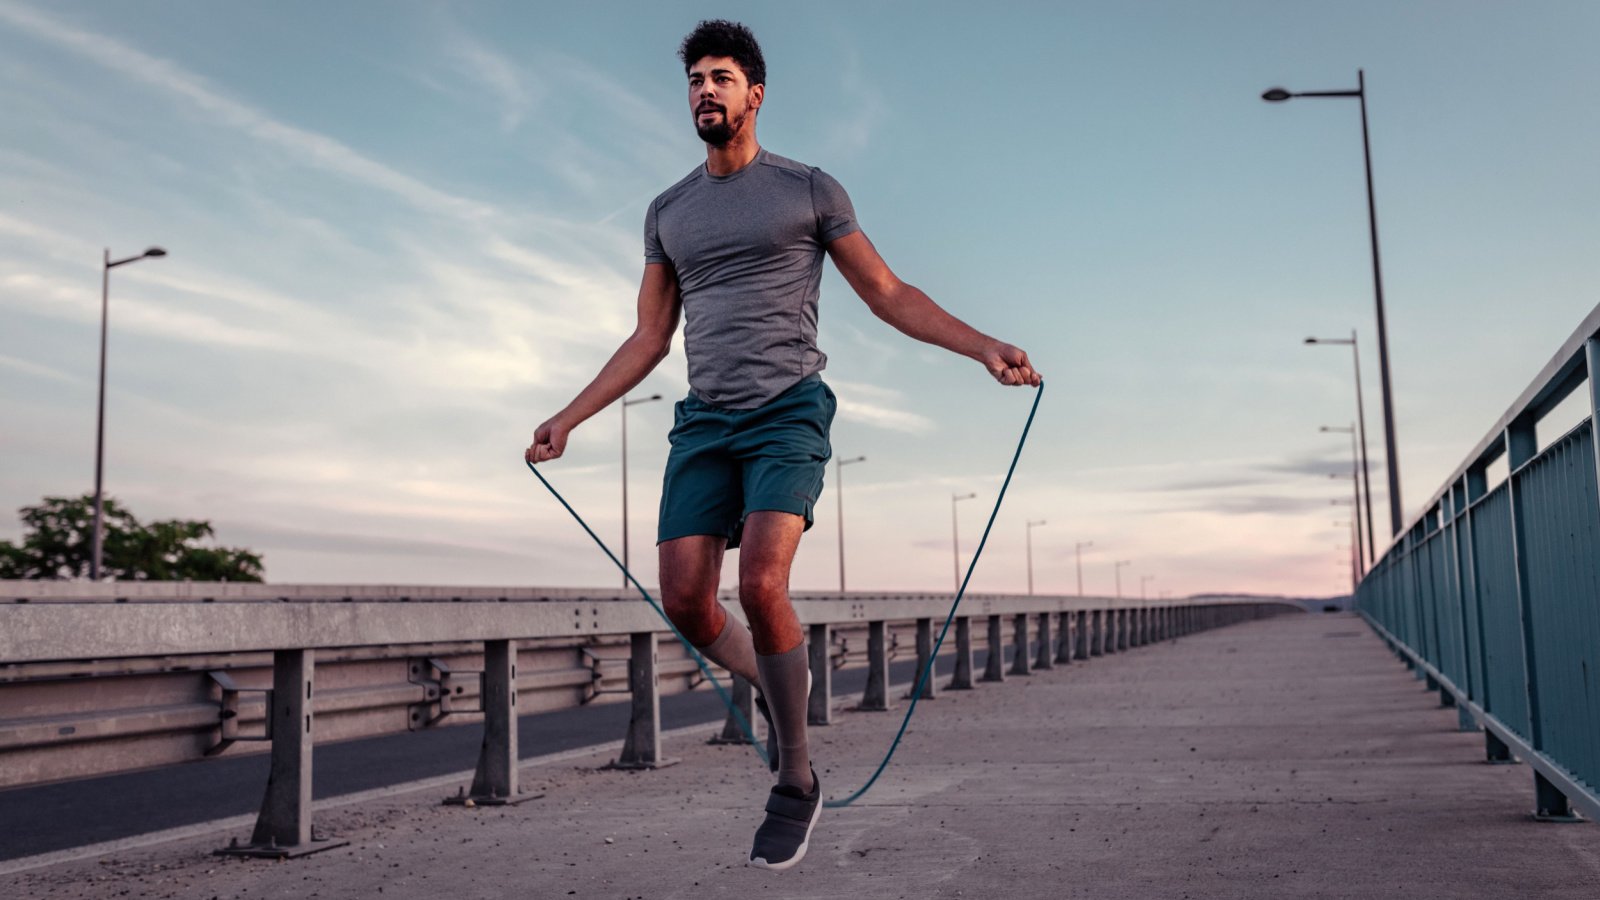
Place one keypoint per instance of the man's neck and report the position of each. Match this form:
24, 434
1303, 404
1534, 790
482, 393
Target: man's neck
732, 156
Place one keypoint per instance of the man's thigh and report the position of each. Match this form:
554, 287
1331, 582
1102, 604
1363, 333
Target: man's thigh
765, 557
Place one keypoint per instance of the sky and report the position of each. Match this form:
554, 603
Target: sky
401, 235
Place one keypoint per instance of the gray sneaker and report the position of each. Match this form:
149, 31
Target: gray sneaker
782, 839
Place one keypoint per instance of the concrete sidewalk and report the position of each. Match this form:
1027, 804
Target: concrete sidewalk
1291, 757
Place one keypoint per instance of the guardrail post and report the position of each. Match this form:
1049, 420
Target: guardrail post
995, 666
876, 697
1097, 636
924, 659
495, 781
1047, 651
1551, 805
641, 749
743, 694
1495, 751
283, 827
1081, 651
819, 710
1122, 630
962, 680
1064, 650
1521, 446
1019, 655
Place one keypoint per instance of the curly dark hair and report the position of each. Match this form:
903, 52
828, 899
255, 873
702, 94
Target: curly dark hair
719, 37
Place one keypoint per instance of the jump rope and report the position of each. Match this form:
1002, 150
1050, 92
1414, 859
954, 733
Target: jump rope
922, 678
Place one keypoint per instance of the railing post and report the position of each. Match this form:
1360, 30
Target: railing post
1122, 630
819, 711
1550, 804
876, 697
743, 694
995, 666
962, 679
1097, 640
494, 783
1064, 648
1495, 751
1082, 637
1047, 652
1019, 655
283, 827
924, 660
641, 749
1521, 446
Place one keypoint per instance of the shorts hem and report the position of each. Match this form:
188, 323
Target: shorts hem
792, 505
678, 528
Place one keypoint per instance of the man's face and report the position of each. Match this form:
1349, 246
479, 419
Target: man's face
721, 99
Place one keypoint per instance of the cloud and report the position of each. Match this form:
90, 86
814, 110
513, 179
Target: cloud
499, 75
308, 147
880, 410
37, 370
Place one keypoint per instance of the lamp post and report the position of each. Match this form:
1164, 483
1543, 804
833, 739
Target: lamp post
625, 404
839, 495
1278, 95
1117, 567
955, 535
1030, 553
1144, 580
97, 540
1361, 423
1355, 488
1078, 551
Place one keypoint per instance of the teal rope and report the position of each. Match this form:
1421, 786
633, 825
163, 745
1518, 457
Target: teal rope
922, 678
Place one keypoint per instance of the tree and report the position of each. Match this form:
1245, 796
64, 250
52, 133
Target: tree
58, 545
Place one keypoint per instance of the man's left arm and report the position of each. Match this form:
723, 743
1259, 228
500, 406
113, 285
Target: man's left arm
914, 314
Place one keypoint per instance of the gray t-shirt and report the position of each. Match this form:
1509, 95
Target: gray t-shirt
747, 249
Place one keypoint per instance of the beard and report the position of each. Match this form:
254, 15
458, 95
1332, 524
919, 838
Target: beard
722, 132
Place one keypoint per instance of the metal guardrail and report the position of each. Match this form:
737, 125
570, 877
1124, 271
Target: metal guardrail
1493, 593
97, 678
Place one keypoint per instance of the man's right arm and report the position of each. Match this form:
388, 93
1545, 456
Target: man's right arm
659, 307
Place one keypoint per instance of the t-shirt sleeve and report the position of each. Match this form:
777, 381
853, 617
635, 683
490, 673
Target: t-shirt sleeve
835, 216
653, 252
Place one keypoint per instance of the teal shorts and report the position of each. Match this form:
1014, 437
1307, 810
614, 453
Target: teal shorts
727, 463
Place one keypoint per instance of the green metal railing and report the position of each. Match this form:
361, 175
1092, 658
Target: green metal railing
1493, 594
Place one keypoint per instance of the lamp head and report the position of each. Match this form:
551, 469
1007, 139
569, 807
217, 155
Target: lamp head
155, 251
1276, 95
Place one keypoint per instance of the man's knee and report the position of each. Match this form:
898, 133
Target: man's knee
762, 587
693, 608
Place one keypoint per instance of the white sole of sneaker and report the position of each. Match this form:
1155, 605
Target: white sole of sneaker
799, 854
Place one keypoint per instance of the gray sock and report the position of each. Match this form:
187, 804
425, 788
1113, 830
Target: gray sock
784, 682
734, 650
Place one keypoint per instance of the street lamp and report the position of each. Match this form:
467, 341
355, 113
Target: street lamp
955, 535
625, 404
1144, 580
1117, 567
1030, 553
1078, 551
1278, 95
97, 540
839, 495
1355, 488
1361, 421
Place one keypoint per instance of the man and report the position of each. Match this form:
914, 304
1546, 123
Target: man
737, 246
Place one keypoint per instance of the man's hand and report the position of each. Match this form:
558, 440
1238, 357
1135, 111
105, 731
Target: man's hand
549, 441
1009, 365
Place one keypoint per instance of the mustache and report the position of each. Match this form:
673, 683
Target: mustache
709, 107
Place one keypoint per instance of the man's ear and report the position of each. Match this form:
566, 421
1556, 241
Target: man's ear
757, 94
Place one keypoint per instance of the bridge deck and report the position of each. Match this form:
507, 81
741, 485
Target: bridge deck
1291, 757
